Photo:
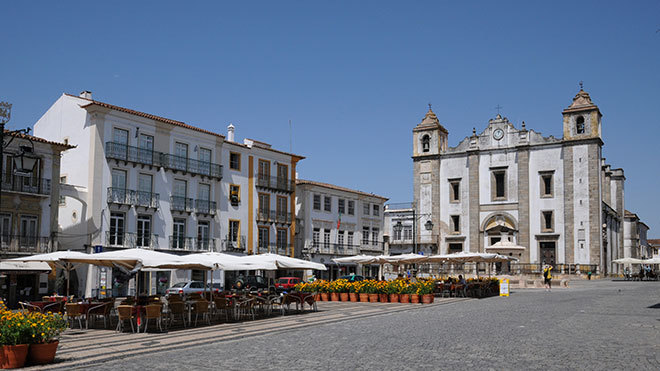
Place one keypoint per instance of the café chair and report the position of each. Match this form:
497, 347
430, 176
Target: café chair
125, 313
154, 311
74, 311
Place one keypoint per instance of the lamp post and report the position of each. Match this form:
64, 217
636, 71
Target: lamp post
428, 226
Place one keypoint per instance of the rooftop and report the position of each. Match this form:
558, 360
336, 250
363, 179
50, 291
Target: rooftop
338, 188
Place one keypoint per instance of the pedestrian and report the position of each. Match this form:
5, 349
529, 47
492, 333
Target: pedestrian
461, 280
547, 277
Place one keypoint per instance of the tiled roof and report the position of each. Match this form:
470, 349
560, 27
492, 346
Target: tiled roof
146, 115
38, 139
338, 188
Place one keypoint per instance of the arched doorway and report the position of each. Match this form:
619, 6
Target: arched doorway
501, 230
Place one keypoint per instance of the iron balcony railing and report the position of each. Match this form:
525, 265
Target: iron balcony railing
205, 207
131, 239
334, 248
191, 243
120, 151
274, 216
274, 248
276, 183
124, 196
25, 184
189, 165
234, 244
24, 244
183, 204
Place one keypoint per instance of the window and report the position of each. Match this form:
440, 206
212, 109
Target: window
281, 207
181, 149
316, 237
203, 191
281, 239
264, 170
234, 230
263, 240
365, 235
62, 198
235, 161
28, 231
179, 193
264, 204
351, 207
204, 155
455, 224
144, 196
349, 240
498, 185
180, 161
365, 208
340, 238
455, 247
579, 125
116, 235
203, 235
374, 235
317, 202
178, 233
407, 232
327, 203
234, 194
5, 230
341, 205
143, 231
376, 210
426, 143
282, 176
120, 136
326, 237
397, 234
546, 184
454, 190
547, 221
146, 149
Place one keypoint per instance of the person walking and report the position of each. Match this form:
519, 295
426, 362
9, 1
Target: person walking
547, 277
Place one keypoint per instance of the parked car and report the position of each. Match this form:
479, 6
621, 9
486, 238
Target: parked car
189, 287
286, 283
250, 283
353, 278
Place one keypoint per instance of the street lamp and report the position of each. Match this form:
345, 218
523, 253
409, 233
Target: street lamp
398, 227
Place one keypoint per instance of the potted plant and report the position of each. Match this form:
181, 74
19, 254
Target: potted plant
425, 290
381, 288
14, 338
45, 330
352, 294
323, 289
334, 290
393, 291
362, 291
372, 291
343, 289
412, 290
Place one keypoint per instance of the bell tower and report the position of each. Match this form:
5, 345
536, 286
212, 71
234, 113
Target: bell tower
429, 137
582, 118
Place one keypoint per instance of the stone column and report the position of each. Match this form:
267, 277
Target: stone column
569, 239
473, 199
523, 202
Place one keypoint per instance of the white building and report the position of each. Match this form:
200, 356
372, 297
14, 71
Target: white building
28, 223
153, 182
337, 221
554, 196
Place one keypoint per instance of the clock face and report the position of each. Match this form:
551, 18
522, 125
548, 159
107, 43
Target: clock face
498, 134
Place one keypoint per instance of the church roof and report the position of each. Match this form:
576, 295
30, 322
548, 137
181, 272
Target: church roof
581, 102
430, 121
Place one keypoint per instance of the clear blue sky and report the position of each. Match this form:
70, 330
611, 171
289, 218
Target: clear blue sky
353, 76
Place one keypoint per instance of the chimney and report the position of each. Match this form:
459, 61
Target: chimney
86, 94
230, 132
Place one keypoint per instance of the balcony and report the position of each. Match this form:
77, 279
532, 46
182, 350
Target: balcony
372, 246
182, 204
123, 196
334, 249
25, 184
205, 207
131, 240
275, 183
123, 152
274, 216
188, 165
181, 243
234, 245
275, 248
24, 244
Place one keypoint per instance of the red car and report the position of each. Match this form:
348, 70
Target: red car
286, 283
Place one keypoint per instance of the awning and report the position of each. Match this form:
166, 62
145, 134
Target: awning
9, 266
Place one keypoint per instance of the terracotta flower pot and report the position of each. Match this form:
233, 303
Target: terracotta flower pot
414, 298
343, 296
383, 298
325, 296
13, 356
334, 296
353, 296
41, 354
373, 298
364, 298
404, 298
394, 298
427, 298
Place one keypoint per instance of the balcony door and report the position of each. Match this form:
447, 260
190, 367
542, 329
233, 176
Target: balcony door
143, 231
203, 197
204, 157
264, 173
264, 205
28, 231
118, 193
116, 235
120, 140
203, 235
179, 193
5, 230
145, 186
181, 153
146, 149
282, 176
264, 239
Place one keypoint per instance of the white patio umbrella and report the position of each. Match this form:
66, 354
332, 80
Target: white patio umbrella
282, 262
21, 266
358, 259
504, 245
628, 261
226, 262
54, 259
654, 260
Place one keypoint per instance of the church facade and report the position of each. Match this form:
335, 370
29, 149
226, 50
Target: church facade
555, 199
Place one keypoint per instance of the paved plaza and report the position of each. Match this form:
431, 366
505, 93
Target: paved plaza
593, 325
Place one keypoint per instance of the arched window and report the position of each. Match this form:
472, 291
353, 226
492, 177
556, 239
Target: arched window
426, 143
579, 125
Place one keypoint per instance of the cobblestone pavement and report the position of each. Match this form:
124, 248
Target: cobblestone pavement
593, 325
